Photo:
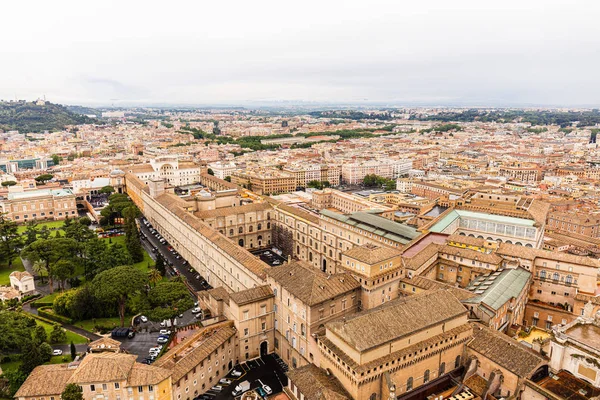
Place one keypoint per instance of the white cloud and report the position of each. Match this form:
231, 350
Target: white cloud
199, 52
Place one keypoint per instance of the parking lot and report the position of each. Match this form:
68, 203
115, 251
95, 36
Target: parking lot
268, 369
269, 256
140, 344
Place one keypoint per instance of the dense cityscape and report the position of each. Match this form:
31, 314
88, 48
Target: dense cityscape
368, 253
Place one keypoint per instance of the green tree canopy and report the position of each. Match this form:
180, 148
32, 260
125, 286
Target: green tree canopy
9, 183
72, 392
49, 251
168, 299
43, 178
107, 190
10, 240
118, 285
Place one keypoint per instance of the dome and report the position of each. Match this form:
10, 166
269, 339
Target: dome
116, 172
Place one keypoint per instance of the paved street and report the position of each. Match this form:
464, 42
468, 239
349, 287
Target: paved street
169, 257
140, 344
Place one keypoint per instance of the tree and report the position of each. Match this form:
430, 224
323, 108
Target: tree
9, 183
93, 257
44, 233
85, 221
36, 354
132, 237
15, 379
107, 190
228, 179
211, 172
117, 285
154, 276
73, 351
160, 265
72, 392
56, 159
31, 232
168, 300
39, 334
10, 240
79, 232
58, 335
39, 268
50, 251
42, 179
63, 270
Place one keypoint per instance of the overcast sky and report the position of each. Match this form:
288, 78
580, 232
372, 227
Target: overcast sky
483, 52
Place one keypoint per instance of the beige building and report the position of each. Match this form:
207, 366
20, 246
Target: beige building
306, 299
265, 181
39, 204
105, 375
396, 347
197, 363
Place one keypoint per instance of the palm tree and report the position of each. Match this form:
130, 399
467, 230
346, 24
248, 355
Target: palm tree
40, 269
154, 276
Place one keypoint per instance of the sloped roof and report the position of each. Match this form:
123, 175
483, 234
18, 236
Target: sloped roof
398, 318
46, 380
251, 295
103, 367
372, 254
315, 384
504, 351
311, 285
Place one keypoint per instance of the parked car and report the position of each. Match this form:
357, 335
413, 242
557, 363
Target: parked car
217, 388
56, 352
165, 332
261, 392
196, 310
162, 340
266, 388
236, 373
144, 319
225, 381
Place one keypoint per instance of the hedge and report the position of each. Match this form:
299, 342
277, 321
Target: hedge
39, 303
47, 313
46, 320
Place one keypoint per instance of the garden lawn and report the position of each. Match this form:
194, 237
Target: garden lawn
50, 224
71, 336
114, 322
11, 365
142, 265
50, 298
17, 265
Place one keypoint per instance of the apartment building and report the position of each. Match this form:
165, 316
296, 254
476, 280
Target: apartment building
249, 225
39, 204
306, 299
222, 169
582, 223
171, 169
378, 269
354, 173
396, 347
314, 172
344, 202
106, 375
433, 191
265, 181
253, 314
522, 172
197, 363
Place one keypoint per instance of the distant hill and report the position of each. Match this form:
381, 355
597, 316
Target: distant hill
84, 110
33, 117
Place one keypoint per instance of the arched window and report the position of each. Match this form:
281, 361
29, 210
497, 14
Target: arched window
268, 216
250, 229
275, 292
293, 342
543, 274
309, 256
373, 396
241, 229
302, 331
457, 362
268, 225
555, 276
258, 227
241, 242
297, 249
442, 368
569, 280
409, 384
259, 237
231, 232
426, 376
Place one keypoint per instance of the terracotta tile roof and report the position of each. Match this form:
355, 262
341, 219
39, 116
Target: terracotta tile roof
529, 253
401, 317
310, 285
431, 284
240, 255
476, 383
314, 383
105, 343
223, 212
218, 293
46, 380
372, 254
103, 367
142, 375
491, 258
504, 351
468, 240
252, 295
21, 274
415, 262
182, 358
